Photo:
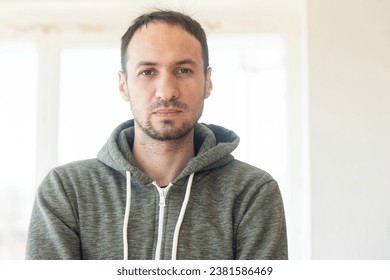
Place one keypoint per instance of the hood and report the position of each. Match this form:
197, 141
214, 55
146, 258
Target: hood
213, 145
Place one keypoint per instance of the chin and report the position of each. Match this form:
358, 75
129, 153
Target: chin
168, 131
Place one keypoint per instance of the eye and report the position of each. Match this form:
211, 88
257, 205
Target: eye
147, 72
184, 71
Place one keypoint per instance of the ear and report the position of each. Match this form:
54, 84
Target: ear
208, 83
123, 89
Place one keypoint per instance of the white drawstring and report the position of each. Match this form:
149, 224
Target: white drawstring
181, 216
179, 220
127, 214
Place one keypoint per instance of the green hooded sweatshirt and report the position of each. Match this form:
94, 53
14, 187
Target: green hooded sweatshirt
107, 208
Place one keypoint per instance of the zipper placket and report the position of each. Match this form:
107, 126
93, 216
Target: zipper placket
162, 194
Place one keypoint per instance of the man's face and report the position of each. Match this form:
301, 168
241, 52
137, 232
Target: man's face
165, 82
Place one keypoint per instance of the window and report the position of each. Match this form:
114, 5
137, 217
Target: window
249, 97
18, 87
90, 105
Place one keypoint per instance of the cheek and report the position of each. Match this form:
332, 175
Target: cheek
194, 88
138, 104
141, 94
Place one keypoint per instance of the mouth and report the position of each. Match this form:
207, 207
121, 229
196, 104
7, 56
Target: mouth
166, 112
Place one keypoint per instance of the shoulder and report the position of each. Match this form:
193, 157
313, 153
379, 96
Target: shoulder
250, 182
239, 179
80, 165
79, 173
82, 168
247, 174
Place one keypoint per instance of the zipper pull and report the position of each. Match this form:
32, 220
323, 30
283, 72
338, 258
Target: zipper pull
162, 197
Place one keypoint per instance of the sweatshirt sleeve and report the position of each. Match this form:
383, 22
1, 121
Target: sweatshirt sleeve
262, 230
53, 231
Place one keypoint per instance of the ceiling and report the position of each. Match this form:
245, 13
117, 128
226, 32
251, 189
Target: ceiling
18, 16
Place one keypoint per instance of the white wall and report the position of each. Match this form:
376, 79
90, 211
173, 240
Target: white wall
349, 92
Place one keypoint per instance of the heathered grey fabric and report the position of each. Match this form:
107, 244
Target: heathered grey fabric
235, 210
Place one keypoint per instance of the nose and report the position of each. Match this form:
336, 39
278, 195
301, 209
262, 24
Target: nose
166, 88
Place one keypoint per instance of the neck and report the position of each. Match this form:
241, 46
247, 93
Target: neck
162, 161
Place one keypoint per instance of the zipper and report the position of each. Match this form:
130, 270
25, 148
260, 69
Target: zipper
162, 194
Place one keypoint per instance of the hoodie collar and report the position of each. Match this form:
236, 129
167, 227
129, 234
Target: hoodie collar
214, 145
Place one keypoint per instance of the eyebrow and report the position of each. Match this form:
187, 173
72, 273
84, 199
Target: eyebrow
186, 61
145, 63
151, 63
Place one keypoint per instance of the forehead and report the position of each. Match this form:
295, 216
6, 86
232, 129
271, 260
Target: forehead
162, 41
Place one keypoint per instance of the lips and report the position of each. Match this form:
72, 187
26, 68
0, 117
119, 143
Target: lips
166, 111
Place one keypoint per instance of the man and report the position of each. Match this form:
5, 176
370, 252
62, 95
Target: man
163, 186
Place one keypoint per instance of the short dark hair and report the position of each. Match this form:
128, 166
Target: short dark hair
171, 18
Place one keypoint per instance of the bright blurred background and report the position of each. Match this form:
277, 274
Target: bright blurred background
304, 83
